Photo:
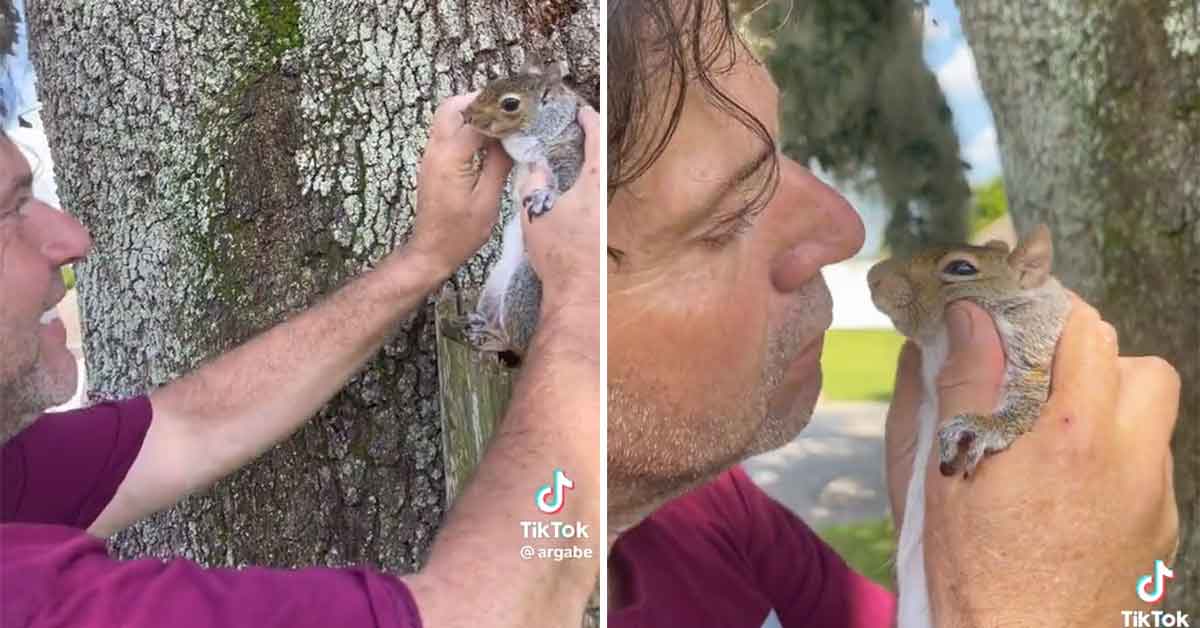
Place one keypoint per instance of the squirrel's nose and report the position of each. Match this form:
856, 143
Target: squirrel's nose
875, 276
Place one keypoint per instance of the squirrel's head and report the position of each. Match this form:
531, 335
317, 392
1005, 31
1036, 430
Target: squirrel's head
914, 291
509, 105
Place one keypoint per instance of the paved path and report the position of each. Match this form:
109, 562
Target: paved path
832, 472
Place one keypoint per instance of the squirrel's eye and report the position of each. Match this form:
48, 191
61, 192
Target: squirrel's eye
960, 267
510, 103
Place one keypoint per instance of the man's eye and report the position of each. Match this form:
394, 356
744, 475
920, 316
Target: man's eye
729, 230
20, 210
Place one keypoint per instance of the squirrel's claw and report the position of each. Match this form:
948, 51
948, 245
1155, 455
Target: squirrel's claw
966, 439
539, 202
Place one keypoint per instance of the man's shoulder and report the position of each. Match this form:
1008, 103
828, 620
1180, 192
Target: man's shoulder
64, 467
730, 499
711, 526
96, 426
692, 560
88, 417
59, 576
31, 557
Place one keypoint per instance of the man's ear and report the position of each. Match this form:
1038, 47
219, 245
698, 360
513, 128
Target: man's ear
1033, 257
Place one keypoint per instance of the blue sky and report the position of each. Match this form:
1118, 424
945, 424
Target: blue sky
946, 52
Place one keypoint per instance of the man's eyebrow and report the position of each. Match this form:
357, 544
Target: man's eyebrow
23, 182
742, 174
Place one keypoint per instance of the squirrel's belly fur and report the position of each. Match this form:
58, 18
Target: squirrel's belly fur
512, 255
913, 605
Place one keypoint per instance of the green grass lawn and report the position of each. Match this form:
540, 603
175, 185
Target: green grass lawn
867, 546
860, 364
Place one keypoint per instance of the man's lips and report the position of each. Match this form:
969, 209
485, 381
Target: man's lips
50, 320
802, 366
60, 293
56, 329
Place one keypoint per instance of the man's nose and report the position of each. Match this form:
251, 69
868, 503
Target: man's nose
823, 228
63, 239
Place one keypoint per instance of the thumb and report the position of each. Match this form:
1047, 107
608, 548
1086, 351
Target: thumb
970, 380
492, 175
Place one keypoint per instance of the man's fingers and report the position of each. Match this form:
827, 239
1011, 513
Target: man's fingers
448, 118
906, 397
457, 140
1148, 405
589, 119
493, 174
1085, 379
900, 433
970, 380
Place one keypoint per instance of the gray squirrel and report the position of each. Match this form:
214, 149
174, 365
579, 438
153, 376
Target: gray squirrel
1029, 307
533, 114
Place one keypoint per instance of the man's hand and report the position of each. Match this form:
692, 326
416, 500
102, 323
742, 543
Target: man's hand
564, 245
1057, 529
456, 205
553, 420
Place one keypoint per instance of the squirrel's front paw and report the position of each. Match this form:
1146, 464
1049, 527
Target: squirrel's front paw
539, 202
964, 441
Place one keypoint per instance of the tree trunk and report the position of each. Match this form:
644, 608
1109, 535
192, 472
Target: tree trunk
1098, 115
236, 160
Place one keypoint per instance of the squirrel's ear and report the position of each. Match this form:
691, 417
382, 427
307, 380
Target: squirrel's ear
1033, 257
533, 64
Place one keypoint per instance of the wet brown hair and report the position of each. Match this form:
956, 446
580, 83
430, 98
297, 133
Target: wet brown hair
654, 45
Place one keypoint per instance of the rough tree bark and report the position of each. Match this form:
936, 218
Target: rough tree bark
1097, 110
235, 160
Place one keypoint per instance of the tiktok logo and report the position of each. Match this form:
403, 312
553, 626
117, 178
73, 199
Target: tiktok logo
1153, 587
549, 497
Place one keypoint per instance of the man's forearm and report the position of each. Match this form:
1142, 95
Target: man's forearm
216, 419
257, 394
477, 555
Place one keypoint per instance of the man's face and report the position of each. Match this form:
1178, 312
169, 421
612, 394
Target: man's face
36, 369
715, 326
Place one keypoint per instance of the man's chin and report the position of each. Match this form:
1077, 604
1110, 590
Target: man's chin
787, 416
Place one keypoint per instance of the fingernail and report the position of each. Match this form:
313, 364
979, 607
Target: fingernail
959, 324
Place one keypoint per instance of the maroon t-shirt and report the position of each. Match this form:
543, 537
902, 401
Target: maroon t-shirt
727, 555
59, 474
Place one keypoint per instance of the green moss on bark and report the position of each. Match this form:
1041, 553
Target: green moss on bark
278, 25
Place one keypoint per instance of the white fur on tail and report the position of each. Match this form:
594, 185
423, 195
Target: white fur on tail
910, 557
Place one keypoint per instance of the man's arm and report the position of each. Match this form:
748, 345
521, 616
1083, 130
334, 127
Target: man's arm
476, 575
216, 419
